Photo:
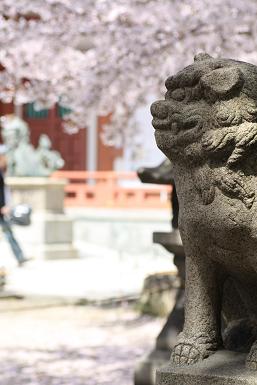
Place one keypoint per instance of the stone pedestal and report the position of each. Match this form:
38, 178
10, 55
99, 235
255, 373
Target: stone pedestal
222, 368
50, 234
145, 373
145, 370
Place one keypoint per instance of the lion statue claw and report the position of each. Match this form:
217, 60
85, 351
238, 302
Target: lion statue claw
207, 127
188, 350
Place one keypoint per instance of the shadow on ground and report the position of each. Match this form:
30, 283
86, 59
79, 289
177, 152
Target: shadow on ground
74, 345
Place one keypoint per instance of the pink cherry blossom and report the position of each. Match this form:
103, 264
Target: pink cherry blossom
106, 56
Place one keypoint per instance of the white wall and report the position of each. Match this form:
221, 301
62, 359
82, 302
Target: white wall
150, 155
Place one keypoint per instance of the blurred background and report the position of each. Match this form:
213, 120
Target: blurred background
87, 269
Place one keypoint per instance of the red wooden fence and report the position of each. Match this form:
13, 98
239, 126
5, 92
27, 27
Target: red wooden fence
112, 189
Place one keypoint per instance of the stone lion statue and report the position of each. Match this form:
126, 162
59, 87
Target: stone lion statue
207, 127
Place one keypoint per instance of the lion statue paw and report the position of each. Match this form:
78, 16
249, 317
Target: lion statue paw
189, 351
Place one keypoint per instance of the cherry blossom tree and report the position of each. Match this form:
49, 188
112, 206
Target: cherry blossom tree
112, 55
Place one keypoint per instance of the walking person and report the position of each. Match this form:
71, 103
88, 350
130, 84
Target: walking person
4, 211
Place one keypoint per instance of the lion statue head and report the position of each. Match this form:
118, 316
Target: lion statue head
208, 122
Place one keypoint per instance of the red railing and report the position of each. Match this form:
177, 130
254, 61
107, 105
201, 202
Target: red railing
111, 189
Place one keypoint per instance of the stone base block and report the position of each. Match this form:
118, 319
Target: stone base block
42, 193
146, 369
48, 237
222, 368
46, 228
54, 251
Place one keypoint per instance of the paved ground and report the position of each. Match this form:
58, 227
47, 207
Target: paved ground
115, 251
71, 345
92, 278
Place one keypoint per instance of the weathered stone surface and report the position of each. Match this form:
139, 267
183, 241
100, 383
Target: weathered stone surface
207, 127
222, 368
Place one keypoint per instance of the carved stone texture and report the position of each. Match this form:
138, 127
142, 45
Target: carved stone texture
207, 127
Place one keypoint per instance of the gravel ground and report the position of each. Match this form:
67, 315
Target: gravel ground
71, 345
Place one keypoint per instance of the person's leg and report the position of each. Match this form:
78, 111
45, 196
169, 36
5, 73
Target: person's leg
17, 251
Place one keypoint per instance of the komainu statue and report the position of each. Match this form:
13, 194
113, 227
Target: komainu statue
207, 127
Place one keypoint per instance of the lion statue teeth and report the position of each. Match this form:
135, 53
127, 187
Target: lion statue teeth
207, 127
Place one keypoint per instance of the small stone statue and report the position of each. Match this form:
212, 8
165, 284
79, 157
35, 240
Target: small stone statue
49, 159
23, 159
207, 127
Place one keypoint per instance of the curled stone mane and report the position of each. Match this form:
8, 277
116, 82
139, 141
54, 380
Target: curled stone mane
235, 146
